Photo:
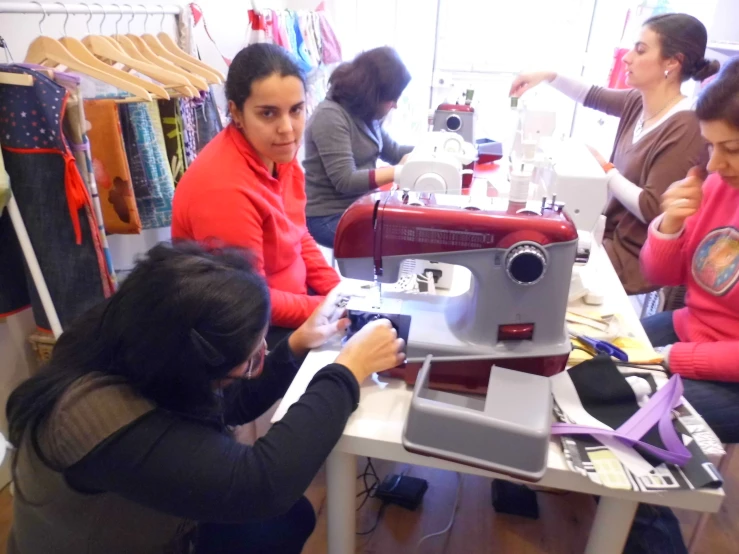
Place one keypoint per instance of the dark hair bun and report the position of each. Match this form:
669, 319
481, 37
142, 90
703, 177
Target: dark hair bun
704, 69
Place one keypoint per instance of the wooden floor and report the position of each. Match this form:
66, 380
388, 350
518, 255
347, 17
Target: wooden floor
561, 529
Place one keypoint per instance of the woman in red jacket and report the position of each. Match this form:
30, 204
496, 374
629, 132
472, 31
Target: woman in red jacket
246, 187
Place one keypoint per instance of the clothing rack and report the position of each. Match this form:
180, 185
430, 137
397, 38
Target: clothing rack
87, 9
46, 9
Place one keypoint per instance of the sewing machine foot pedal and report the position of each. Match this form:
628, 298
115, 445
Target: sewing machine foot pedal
402, 490
514, 499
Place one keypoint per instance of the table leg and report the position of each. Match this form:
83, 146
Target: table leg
611, 526
341, 478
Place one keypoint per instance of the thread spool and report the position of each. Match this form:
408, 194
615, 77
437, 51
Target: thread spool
520, 181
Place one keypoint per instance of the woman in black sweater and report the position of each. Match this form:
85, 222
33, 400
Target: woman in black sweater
123, 444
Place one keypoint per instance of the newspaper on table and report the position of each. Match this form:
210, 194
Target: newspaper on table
590, 458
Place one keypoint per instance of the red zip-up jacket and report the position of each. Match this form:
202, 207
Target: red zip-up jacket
228, 194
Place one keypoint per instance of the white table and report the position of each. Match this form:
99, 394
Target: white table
375, 430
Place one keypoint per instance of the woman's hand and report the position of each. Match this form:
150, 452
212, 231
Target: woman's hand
681, 201
325, 322
375, 347
526, 81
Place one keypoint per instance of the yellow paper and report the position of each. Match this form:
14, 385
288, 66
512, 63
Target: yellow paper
638, 352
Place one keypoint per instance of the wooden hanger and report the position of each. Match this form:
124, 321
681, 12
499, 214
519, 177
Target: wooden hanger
110, 51
116, 77
205, 76
199, 77
145, 53
126, 45
104, 49
169, 43
16, 79
46, 50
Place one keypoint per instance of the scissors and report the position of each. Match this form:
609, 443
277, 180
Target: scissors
598, 346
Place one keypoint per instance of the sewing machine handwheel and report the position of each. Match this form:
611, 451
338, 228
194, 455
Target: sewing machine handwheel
453, 123
526, 264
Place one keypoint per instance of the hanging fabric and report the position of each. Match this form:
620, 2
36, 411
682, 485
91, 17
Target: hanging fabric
171, 118
74, 128
257, 28
52, 200
310, 46
197, 17
208, 120
156, 121
331, 49
189, 127
155, 201
110, 167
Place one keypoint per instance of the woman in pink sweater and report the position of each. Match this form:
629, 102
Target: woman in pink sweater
696, 243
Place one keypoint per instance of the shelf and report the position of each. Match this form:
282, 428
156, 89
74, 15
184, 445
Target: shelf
727, 48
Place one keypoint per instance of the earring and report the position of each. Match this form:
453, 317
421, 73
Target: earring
667, 73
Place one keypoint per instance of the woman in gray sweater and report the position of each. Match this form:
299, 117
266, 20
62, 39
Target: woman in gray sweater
344, 138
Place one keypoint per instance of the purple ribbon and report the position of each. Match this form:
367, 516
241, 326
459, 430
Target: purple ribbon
84, 147
657, 411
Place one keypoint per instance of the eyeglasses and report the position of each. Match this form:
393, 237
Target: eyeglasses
256, 362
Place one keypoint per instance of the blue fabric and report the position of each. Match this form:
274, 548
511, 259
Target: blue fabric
285, 534
323, 228
30, 117
71, 271
655, 530
295, 36
30, 123
155, 209
660, 330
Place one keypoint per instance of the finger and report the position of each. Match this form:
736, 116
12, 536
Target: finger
699, 172
682, 213
399, 358
383, 322
343, 324
399, 344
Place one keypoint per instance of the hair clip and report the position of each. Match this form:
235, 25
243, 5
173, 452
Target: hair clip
206, 350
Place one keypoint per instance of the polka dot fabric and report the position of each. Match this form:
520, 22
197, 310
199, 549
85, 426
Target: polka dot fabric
32, 121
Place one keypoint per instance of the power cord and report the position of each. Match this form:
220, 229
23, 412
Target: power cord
369, 492
451, 519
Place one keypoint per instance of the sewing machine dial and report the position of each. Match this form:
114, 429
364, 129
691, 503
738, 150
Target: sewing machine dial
526, 264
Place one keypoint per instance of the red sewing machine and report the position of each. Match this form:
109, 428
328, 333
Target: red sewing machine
520, 258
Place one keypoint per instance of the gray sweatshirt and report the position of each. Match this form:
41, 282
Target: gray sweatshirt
340, 153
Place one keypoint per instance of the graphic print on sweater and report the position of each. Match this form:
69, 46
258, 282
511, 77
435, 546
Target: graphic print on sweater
716, 261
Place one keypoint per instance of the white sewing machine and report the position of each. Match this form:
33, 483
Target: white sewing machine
566, 169
437, 164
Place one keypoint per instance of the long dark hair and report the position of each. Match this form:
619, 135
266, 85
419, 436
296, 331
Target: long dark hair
373, 77
184, 318
684, 37
720, 99
255, 62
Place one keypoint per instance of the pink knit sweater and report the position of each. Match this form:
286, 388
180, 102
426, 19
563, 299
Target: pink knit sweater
705, 257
